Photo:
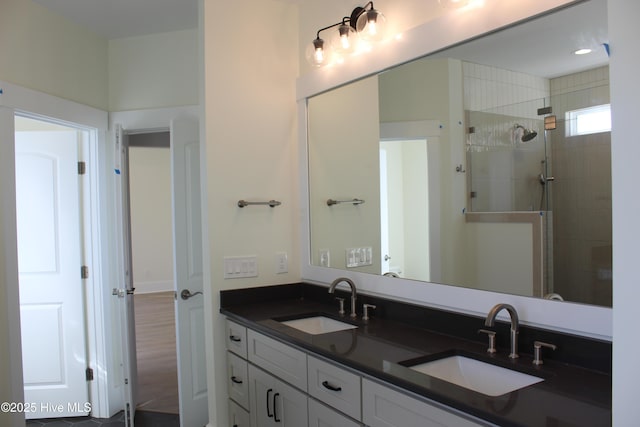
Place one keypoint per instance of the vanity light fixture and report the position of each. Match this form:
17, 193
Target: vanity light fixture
364, 22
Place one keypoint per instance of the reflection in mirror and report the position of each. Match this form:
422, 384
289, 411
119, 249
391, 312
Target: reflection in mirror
476, 165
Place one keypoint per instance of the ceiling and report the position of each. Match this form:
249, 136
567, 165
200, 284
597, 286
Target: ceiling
114, 19
544, 46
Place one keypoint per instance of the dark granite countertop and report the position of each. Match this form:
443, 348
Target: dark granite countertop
568, 396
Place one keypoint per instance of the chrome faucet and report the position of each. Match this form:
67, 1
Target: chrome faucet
515, 325
332, 289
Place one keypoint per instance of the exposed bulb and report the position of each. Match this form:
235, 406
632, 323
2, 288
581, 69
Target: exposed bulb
345, 40
371, 23
317, 54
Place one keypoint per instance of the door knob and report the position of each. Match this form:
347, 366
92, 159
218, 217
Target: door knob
186, 294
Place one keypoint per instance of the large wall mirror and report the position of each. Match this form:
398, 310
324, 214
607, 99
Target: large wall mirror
486, 165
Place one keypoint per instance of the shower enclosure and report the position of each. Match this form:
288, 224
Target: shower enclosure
561, 173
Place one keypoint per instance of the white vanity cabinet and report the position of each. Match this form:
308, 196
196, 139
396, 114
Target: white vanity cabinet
236, 338
238, 416
272, 384
385, 407
237, 374
321, 415
335, 386
275, 403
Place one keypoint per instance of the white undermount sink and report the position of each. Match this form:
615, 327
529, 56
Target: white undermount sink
318, 325
475, 375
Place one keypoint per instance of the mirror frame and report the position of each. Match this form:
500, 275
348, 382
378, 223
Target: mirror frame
454, 27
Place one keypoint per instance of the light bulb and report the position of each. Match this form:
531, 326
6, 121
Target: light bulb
371, 23
345, 40
318, 53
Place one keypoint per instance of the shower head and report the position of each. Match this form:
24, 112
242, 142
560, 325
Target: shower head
527, 134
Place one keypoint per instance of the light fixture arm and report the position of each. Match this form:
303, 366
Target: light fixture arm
344, 21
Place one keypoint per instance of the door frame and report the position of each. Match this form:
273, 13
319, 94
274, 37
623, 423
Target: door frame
17, 100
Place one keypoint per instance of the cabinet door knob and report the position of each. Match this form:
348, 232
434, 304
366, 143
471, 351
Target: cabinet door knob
234, 338
269, 414
330, 386
275, 406
236, 380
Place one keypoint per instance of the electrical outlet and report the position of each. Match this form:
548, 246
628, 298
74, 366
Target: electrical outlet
325, 258
282, 263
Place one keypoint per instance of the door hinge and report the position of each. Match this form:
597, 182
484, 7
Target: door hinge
82, 168
84, 272
89, 374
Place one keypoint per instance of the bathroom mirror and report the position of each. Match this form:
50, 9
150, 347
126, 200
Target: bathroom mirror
441, 169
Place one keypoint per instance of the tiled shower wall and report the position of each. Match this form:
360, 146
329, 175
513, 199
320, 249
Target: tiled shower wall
581, 193
502, 170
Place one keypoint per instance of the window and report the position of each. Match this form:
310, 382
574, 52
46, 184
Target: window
589, 120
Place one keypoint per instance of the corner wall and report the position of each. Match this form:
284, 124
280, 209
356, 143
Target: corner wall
47, 53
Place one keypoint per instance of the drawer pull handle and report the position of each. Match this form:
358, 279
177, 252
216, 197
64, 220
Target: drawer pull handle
234, 338
236, 380
269, 414
331, 387
275, 416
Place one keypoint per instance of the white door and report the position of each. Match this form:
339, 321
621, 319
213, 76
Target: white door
188, 271
124, 287
49, 259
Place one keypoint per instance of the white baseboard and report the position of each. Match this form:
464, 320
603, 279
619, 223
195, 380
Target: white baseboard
151, 287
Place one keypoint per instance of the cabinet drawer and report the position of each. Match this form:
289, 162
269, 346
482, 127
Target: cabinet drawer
335, 386
238, 417
238, 380
323, 416
385, 407
236, 337
281, 360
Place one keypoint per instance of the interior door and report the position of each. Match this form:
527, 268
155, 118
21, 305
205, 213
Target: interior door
124, 290
49, 259
188, 271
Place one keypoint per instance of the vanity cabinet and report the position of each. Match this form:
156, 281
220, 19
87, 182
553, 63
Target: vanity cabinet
383, 406
272, 384
281, 360
335, 386
236, 338
275, 403
238, 416
321, 415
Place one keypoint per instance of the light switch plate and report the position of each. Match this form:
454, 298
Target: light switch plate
236, 267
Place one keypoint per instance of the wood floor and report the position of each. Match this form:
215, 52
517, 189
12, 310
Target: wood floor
156, 349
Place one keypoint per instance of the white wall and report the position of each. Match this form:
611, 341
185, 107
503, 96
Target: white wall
43, 51
151, 219
250, 68
153, 71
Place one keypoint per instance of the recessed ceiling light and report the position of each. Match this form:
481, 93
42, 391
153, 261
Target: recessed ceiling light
582, 51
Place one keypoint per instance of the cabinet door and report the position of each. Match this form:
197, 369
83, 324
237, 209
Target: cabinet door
323, 416
262, 388
385, 407
238, 416
283, 361
236, 338
335, 386
290, 406
275, 403
238, 379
